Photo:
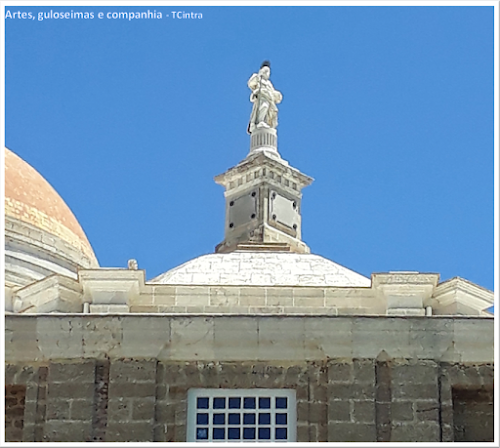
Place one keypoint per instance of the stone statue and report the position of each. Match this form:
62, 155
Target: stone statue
133, 265
264, 98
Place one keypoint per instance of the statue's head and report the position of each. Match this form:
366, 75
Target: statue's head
265, 69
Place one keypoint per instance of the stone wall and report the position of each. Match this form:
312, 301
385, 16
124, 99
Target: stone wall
14, 412
381, 399
473, 415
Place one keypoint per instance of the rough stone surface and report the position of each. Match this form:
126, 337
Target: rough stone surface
344, 399
473, 413
241, 268
213, 337
340, 397
15, 397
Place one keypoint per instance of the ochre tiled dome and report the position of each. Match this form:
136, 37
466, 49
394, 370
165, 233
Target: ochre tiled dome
38, 222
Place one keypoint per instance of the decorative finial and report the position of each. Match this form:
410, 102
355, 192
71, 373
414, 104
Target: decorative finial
264, 98
132, 265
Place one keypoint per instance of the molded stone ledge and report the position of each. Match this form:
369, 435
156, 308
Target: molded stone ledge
55, 293
109, 309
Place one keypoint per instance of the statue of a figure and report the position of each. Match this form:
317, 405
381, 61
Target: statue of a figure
264, 98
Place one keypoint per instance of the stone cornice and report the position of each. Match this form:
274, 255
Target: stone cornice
462, 292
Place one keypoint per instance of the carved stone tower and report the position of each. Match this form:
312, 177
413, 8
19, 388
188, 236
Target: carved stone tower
263, 192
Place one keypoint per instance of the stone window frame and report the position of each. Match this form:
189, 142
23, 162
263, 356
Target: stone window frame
290, 411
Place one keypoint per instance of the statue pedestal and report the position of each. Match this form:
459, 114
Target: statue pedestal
264, 139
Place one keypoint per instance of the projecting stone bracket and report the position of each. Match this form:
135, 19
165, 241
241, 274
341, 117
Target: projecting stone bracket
405, 293
55, 293
110, 290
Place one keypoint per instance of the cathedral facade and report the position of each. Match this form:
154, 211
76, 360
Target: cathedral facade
261, 341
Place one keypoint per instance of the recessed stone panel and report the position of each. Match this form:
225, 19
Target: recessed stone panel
243, 209
283, 210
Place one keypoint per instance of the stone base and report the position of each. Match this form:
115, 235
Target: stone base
264, 139
255, 247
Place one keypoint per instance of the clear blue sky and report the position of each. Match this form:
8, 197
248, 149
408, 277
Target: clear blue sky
390, 109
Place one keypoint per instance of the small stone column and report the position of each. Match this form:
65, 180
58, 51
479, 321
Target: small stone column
264, 139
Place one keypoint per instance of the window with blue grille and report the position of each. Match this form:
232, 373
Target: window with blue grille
244, 415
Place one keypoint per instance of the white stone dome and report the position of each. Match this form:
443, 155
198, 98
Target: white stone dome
262, 269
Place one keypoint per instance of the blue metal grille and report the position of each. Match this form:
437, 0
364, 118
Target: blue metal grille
242, 415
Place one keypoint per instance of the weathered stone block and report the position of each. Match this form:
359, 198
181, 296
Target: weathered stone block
11, 371
304, 301
253, 300
135, 330
81, 410
415, 391
317, 412
370, 334
69, 390
163, 295
224, 296
102, 336
179, 433
129, 432
303, 433
339, 410
129, 371
351, 432
119, 409
302, 392
191, 339
278, 297
66, 431
486, 373
144, 309
411, 432
81, 372
422, 372
327, 337
318, 392
351, 391
478, 349
340, 372
280, 339
293, 375
59, 338
427, 410
364, 411
302, 411
235, 338
180, 415
402, 410
165, 412
57, 410
364, 371
143, 409
132, 390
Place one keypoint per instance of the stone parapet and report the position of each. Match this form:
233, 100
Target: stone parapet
246, 337
115, 291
